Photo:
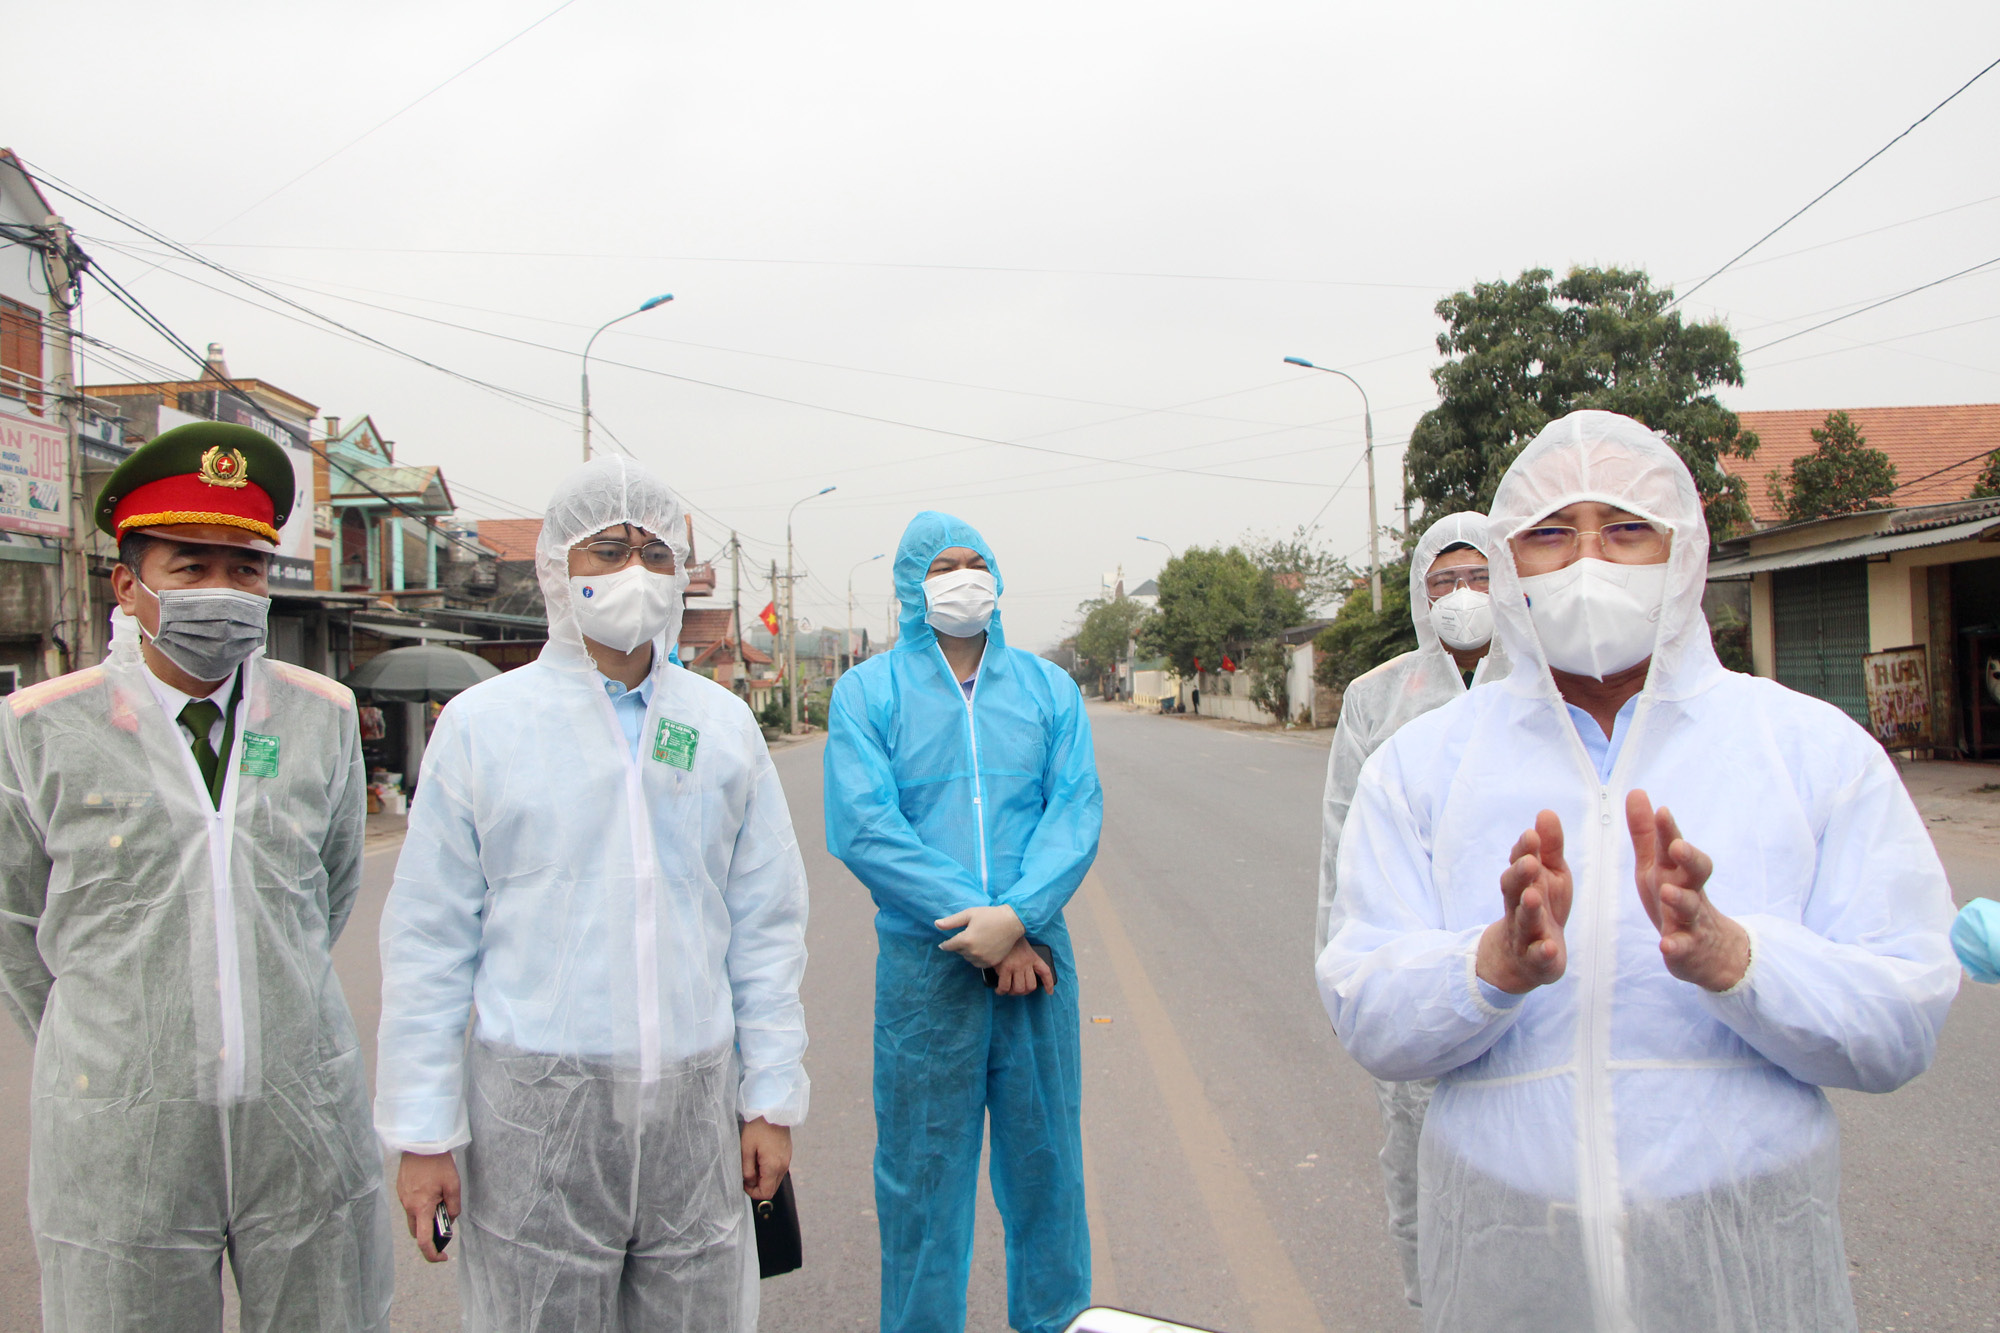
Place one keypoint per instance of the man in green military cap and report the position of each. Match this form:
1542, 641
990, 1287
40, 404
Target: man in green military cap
181, 833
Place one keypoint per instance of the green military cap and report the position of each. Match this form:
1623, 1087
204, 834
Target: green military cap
214, 475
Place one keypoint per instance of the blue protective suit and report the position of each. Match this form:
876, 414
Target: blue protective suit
938, 803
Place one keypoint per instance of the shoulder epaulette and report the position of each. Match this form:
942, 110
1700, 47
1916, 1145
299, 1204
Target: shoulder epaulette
325, 687
27, 701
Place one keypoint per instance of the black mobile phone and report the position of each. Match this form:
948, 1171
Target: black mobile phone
1043, 951
440, 1228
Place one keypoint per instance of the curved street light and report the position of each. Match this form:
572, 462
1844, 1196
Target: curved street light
850, 611
791, 625
1368, 429
1171, 554
643, 308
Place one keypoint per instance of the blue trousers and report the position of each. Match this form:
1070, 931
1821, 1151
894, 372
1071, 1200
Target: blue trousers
949, 1053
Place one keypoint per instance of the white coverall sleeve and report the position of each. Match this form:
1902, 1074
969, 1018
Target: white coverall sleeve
1343, 772
431, 930
1401, 990
25, 978
346, 831
1853, 994
766, 898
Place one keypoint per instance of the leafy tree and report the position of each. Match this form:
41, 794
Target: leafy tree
1212, 598
1989, 480
1109, 624
1270, 668
1300, 563
1525, 352
1842, 475
1360, 639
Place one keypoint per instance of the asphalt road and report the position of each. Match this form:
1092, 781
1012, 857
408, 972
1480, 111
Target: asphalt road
1230, 1142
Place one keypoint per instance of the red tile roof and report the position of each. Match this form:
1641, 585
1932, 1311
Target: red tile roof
513, 538
1950, 441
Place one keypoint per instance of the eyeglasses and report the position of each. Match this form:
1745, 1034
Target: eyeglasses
1446, 581
609, 555
1632, 543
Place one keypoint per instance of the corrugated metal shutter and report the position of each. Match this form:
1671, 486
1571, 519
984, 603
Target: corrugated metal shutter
1821, 615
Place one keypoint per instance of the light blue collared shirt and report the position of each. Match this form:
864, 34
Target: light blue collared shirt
1603, 750
630, 708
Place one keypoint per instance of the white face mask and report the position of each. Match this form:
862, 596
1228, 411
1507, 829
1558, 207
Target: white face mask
960, 603
1595, 618
623, 610
1463, 619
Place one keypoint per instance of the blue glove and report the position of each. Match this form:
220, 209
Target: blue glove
1975, 937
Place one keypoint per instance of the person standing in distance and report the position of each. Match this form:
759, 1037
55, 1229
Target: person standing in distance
180, 845
1454, 652
600, 866
962, 790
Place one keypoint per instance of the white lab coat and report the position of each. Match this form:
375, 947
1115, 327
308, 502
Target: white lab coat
1623, 1150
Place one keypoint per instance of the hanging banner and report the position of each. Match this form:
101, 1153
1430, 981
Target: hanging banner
34, 476
1898, 682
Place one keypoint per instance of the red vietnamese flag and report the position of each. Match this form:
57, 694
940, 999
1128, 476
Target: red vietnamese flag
769, 615
1227, 665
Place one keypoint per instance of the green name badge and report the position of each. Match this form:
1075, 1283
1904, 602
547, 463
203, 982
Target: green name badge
260, 755
675, 744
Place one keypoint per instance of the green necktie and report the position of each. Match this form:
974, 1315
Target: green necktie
200, 717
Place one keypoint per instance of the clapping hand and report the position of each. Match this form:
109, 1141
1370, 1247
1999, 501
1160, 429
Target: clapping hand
1524, 948
1700, 944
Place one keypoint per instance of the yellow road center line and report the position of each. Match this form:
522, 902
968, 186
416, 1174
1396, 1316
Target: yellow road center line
1103, 1273
1264, 1277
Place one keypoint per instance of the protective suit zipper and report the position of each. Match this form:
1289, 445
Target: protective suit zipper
972, 731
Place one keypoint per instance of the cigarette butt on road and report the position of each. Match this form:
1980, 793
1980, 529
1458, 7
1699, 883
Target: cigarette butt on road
1100, 1018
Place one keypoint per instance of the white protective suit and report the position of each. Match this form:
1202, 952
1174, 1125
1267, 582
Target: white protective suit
197, 1083
1622, 1150
631, 934
1372, 708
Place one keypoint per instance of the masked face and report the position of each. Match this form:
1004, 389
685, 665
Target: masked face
1596, 618
628, 608
209, 632
960, 602
1463, 619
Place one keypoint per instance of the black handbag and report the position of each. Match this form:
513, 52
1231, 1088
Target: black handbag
779, 1249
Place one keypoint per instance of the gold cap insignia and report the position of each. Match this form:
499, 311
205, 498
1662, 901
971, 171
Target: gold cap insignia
225, 469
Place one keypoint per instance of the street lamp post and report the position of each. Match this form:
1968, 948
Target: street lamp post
1368, 431
657, 300
1157, 542
850, 610
791, 623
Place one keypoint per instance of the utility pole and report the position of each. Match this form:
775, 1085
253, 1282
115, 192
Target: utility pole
1406, 493
741, 668
62, 397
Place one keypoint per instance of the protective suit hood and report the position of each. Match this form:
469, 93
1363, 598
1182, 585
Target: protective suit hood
603, 493
929, 533
1611, 459
1467, 528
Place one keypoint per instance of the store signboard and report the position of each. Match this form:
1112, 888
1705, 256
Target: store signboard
1898, 682
34, 476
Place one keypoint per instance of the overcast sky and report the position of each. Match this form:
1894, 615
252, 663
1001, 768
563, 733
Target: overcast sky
1094, 229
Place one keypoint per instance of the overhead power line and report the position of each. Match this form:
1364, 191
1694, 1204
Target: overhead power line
1876, 305
1831, 188
407, 107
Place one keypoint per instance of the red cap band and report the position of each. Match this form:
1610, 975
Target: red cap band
189, 499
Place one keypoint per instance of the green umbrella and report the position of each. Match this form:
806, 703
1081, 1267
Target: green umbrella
427, 673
